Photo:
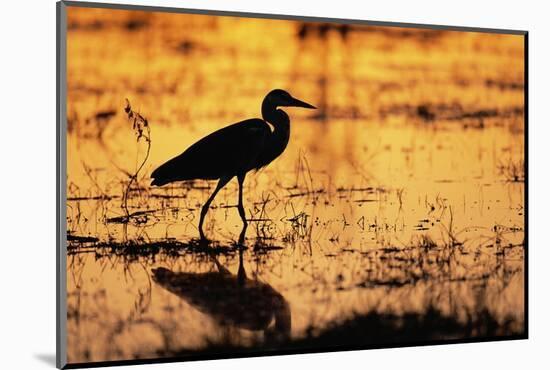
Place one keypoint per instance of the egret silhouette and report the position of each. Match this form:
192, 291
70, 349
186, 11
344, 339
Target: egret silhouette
233, 151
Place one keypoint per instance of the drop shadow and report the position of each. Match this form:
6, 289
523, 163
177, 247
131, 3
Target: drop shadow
47, 358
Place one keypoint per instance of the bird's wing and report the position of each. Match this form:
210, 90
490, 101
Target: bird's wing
226, 152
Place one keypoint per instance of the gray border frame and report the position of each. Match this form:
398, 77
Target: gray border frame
61, 180
225, 13
61, 172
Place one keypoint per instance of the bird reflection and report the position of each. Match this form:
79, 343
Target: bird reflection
231, 300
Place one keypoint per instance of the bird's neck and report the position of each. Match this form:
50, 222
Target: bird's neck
276, 117
278, 140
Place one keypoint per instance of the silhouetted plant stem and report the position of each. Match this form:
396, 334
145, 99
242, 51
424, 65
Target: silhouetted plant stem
142, 130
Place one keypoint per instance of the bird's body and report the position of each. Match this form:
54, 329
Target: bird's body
234, 150
215, 156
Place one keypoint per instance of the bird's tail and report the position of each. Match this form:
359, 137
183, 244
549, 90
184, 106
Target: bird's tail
169, 172
162, 175
158, 182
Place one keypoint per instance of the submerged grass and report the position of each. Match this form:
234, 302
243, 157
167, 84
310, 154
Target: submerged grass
512, 171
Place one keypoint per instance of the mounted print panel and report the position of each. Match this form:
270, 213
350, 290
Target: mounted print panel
240, 185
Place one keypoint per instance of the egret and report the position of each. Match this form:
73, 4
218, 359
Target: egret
233, 151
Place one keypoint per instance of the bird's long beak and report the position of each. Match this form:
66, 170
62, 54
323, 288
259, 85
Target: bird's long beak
302, 104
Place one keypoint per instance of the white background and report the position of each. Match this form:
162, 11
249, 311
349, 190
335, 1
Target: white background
27, 180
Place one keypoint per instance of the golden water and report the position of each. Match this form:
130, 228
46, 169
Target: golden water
419, 138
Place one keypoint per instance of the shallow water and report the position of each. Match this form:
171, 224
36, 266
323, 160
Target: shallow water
403, 193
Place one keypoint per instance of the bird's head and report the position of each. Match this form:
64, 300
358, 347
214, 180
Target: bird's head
281, 98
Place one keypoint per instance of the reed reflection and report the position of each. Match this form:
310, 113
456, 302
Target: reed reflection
231, 300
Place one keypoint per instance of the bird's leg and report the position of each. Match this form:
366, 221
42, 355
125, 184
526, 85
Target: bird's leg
240, 206
223, 181
240, 243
